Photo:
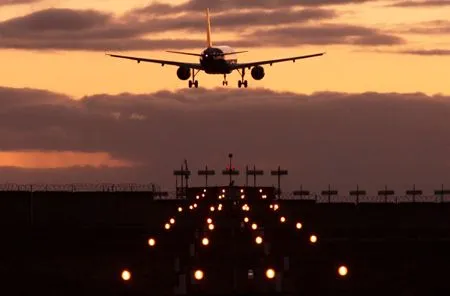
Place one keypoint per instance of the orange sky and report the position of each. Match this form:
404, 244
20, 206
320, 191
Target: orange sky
344, 68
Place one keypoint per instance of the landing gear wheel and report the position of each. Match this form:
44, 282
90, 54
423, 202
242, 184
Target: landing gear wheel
245, 83
190, 83
242, 82
196, 83
239, 84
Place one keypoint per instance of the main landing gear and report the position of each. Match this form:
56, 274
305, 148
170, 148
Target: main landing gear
194, 82
225, 82
242, 82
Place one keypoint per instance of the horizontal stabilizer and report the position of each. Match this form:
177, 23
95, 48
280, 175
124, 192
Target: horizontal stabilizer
186, 53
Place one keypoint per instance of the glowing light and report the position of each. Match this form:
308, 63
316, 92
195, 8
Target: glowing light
343, 270
204, 190
282, 219
197, 197
242, 196
313, 239
151, 242
223, 190
198, 275
205, 241
203, 195
254, 226
211, 226
264, 196
270, 273
195, 205
242, 190
259, 240
298, 225
246, 219
172, 221
180, 209
276, 207
209, 220
271, 206
212, 209
260, 190
191, 207
167, 226
126, 275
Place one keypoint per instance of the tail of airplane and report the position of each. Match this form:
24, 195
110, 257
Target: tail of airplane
208, 29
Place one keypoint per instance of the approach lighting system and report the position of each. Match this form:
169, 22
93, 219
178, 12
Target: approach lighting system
298, 225
172, 221
282, 219
205, 241
211, 226
270, 273
126, 275
198, 275
343, 271
167, 226
151, 242
180, 209
259, 240
313, 239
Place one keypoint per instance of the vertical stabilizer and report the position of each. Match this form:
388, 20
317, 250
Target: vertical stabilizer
208, 29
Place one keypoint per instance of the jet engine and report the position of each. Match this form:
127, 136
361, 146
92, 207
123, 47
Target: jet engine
184, 73
258, 73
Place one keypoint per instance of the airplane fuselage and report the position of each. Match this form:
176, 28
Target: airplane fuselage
214, 62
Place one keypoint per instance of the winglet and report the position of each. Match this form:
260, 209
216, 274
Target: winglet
208, 29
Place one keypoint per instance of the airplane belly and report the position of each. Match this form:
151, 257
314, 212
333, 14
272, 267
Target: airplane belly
217, 67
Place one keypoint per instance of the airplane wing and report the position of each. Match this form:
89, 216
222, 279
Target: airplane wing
252, 64
162, 62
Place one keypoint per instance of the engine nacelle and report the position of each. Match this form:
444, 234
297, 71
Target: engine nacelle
184, 73
258, 73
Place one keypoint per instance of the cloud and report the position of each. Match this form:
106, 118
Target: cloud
218, 6
370, 139
325, 34
439, 27
16, 2
430, 52
420, 4
65, 29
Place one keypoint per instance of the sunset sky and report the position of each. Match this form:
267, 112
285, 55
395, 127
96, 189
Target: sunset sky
69, 112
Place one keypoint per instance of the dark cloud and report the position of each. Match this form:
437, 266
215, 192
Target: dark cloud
421, 4
439, 27
344, 139
430, 52
325, 34
201, 5
64, 29
17, 2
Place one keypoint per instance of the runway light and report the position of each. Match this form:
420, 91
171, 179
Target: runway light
204, 190
211, 209
209, 220
191, 207
151, 242
282, 219
271, 206
203, 195
195, 205
259, 240
276, 207
343, 270
172, 221
260, 190
264, 196
211, 226
242, 190
197, 197
223, 190
167, 226
126, 275
205, 241
250, 274
198, 275
313, 239
298, 225
270, 273
254, 226
246, 219
180, 209
242, 196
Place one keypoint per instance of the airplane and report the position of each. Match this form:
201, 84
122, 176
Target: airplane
216, 60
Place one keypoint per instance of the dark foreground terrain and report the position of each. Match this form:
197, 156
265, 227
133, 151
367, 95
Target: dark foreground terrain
80, 243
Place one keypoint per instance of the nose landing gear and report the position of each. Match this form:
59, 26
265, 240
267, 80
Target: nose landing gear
225, 82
